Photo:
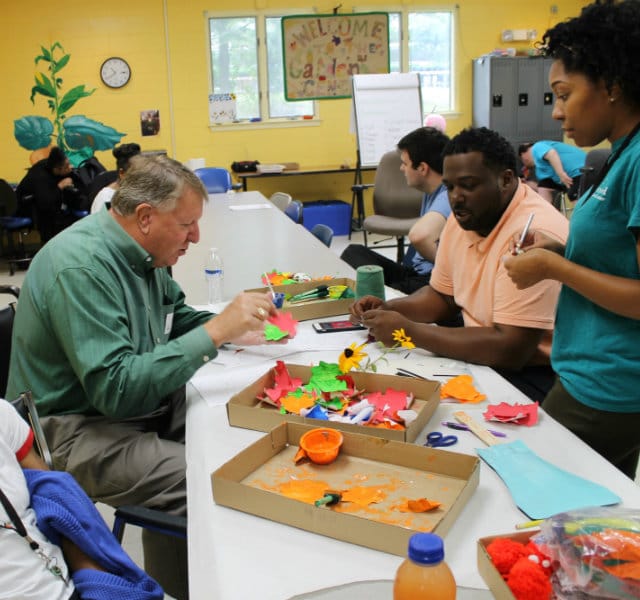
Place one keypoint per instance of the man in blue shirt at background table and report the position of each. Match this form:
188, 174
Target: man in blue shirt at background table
421, 155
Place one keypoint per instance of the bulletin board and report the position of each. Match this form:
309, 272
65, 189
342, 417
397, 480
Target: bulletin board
322, 52
386, 107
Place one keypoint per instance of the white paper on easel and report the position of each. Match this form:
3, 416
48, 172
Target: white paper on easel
222, 108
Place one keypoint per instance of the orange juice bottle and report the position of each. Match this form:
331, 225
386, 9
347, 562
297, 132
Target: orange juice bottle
424, 575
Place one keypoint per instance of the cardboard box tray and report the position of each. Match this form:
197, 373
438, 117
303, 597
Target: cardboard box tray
253, 482
487, 570
314, 309
245, 410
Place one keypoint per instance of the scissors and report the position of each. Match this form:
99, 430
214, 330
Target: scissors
435, 439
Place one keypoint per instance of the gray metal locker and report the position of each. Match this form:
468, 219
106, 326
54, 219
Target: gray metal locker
512, 96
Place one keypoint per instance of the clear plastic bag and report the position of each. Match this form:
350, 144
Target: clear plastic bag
597, 551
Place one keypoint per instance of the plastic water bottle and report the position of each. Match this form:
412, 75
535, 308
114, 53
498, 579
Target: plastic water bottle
424, 575
214, 273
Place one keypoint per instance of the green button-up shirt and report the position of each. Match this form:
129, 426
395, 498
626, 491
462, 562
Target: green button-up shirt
98, 329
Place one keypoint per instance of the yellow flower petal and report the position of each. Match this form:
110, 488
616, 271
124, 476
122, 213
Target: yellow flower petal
351, 357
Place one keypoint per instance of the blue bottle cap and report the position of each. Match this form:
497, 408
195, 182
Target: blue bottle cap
426, 548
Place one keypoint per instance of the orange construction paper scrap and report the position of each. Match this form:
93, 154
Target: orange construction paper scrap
386, 425
461, 388
417, 506
293, 404
304, 490
422, 505
363, 496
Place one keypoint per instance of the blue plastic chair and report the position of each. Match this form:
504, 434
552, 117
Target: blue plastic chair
216, 179
294, 211
323, 232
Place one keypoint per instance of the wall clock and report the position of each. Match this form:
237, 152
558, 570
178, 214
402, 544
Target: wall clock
115, 72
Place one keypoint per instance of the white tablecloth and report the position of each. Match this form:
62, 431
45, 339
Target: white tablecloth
233, 555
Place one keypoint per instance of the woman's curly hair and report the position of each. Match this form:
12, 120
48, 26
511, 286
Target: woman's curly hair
603, 43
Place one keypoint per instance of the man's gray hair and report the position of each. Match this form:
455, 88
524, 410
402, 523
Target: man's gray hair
155, 180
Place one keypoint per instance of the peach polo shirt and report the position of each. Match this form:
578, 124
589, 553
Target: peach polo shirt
469, 267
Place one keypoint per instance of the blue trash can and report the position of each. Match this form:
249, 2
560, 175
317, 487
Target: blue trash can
334, 213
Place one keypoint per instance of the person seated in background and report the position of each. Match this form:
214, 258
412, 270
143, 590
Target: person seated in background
557, 166
50, 192
421, 155
123, 154
504, 327
68, 562
104, 339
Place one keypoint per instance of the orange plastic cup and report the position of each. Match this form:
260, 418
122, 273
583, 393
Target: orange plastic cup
321, 445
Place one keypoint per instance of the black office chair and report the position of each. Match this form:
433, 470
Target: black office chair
593, 164
100, 181
140, 516
13, 225
396, 205
7, 314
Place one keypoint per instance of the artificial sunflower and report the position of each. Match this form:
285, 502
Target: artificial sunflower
351, 357
403, 339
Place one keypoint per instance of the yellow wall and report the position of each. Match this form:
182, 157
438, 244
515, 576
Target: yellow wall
165, 42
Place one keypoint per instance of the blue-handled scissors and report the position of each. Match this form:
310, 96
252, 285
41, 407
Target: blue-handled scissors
435, 439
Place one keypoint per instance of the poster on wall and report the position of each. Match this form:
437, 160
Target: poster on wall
149, 122
322, 52
222, 108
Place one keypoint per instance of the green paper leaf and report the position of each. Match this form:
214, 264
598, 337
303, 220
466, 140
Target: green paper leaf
33, 132
80, 131
273, 333
323, 378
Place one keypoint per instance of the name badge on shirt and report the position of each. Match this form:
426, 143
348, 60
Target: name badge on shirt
168, 323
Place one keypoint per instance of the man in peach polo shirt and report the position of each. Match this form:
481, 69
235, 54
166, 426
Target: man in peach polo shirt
505, 328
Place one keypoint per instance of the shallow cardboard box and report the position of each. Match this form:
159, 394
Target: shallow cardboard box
245, 410
314, 309
440, 475
487, 570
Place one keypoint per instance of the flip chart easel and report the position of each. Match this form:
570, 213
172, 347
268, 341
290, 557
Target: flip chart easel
385, 107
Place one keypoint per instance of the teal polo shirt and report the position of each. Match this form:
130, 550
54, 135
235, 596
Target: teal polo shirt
595, 352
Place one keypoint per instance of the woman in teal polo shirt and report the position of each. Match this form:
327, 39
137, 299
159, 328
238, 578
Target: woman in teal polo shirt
596, 346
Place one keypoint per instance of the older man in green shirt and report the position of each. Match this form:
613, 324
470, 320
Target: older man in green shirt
105, 341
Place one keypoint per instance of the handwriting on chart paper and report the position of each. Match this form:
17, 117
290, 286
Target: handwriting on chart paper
322, 52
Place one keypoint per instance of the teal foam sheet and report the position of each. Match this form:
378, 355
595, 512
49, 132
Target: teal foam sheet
539, 488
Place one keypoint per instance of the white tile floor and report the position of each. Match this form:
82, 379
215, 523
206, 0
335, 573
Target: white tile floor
132, 538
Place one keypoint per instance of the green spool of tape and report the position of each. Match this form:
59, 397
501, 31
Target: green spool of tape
370, 281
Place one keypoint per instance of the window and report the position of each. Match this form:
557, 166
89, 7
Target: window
420, 41
427, 48
240, 64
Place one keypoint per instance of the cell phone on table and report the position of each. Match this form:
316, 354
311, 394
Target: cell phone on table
343, 325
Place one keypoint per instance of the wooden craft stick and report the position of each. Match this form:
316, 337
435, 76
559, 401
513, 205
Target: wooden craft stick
488, 438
